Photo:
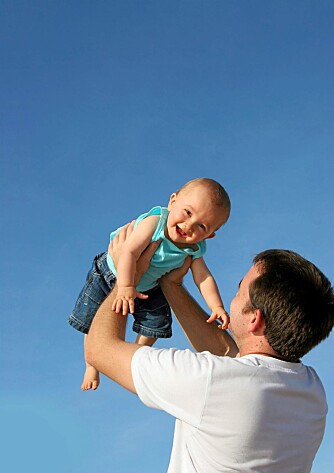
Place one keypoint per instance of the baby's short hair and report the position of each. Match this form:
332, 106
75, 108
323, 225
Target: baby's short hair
218, 194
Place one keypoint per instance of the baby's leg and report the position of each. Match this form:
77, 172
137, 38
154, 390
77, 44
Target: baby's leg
99, 282
91, 378
143, 340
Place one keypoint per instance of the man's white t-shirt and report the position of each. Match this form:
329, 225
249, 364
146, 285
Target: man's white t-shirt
246, 415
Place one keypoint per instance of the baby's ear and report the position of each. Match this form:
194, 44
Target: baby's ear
171, 200
211, 236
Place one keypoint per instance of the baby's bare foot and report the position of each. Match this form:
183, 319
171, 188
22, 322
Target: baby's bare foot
91, 379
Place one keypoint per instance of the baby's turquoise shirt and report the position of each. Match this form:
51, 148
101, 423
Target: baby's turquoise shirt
167, 257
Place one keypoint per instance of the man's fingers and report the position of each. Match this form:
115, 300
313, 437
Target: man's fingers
129, 228
176, 275
150, 250
185, 267
144, 260
187, 264
120, 237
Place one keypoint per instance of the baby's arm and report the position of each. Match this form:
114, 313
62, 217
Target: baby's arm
209, 290
133, 248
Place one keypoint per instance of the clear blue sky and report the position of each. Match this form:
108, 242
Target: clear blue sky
107, 107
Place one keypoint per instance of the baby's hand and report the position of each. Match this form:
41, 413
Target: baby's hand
219, 313
125, 299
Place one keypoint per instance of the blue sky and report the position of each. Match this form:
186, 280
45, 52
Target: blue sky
107, 108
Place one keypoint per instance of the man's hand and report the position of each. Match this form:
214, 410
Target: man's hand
116, 246
176, 275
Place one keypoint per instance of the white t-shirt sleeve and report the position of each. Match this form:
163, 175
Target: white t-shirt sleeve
172, 380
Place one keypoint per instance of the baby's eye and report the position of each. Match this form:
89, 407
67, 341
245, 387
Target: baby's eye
187, 212
202, 227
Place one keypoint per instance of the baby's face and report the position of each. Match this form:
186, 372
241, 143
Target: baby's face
192, 217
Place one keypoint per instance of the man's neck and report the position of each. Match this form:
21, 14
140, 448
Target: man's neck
264, 351
270, 355
261, 347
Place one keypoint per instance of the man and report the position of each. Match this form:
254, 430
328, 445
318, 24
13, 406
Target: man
245, 405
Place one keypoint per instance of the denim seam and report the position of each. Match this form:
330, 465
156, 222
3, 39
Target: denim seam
151, 333
78, 322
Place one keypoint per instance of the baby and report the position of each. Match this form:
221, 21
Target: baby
193, 215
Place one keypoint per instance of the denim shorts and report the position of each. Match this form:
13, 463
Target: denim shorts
152, 316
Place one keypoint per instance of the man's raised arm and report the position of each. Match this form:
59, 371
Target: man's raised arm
193, 320
105, 348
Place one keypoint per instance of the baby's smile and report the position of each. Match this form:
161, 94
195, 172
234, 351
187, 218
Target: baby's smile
180, 232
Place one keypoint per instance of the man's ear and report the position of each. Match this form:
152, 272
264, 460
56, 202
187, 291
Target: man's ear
213, 234
257, 322
172, 200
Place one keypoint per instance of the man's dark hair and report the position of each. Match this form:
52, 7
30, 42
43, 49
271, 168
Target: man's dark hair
296, 301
